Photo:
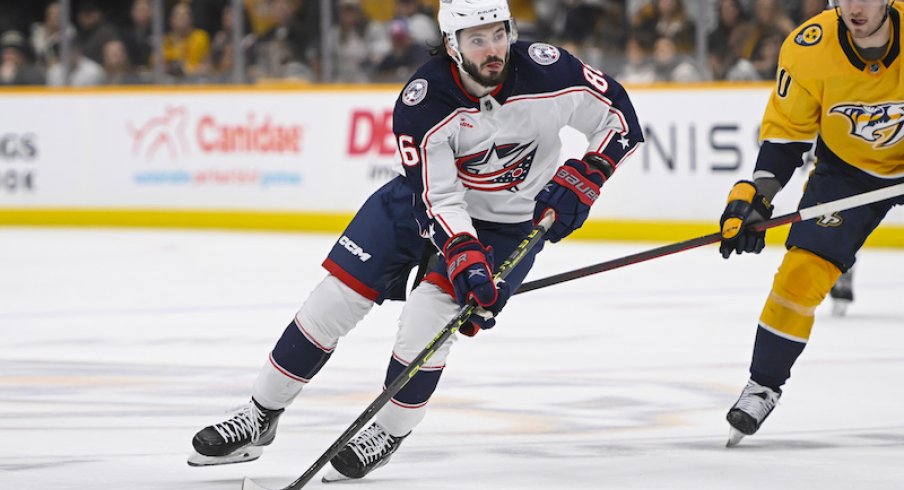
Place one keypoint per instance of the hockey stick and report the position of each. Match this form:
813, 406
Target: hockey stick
799, 215
534, 237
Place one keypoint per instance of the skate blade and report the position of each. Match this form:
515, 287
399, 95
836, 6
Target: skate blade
333, 476
241, 456
249, 484
734, 437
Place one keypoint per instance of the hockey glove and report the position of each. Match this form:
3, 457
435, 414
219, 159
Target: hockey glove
745, 207
570, 194
470, 267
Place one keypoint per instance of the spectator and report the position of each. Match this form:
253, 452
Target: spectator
83, 71
403, 58
260, 16
186, 50
11, 17
423, 28
117, 67
732, 28
286, 50
726, 64
359, 44
809, 9
766, 60
138, 34
581, 20
222, 51
551, 18
667, 18
672, 66
46, 34
770, 19
638, 66
15, 65
92, 30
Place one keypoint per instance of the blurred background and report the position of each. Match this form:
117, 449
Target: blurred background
277, 114
123, 42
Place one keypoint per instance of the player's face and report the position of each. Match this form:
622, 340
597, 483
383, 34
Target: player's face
484, 50
862, 17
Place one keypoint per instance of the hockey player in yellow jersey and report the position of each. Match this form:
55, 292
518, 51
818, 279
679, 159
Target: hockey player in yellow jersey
840, 85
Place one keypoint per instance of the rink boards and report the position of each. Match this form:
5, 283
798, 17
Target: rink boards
304, 158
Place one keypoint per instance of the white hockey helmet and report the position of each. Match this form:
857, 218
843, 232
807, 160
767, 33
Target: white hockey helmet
455, 15
833, 4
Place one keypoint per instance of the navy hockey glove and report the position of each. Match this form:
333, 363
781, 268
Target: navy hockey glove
470, 267
745, 206
570, 194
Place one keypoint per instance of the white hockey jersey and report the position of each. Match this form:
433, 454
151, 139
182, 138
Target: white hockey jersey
486, 159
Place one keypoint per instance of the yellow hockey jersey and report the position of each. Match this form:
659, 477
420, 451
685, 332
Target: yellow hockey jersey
825, 91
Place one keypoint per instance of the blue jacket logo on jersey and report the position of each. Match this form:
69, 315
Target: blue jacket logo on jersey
415, 92
544, 54
882, 124
481, 170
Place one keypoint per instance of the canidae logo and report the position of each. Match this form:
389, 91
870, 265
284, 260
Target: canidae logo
881, 124
166, 132
177, 134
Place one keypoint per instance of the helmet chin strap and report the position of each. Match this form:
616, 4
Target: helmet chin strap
882, 23
884, 19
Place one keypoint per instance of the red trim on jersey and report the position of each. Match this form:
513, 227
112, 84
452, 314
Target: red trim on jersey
628, 154
602, 98
423, 368
441, 282
457, 77
424, 166
608, 103
405, 405
287, 373
350, 281
311, 339
621, 118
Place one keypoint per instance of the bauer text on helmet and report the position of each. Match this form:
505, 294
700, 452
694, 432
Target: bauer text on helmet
455, 15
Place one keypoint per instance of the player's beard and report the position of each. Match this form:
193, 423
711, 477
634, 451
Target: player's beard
486, 80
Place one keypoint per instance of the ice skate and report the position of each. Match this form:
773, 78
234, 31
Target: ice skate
238, 439
842, 293
370, 450
749, 412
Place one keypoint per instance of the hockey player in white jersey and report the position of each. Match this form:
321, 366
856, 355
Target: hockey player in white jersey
477, 129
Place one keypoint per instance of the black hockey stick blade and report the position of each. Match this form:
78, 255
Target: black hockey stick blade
799, 215
534, 237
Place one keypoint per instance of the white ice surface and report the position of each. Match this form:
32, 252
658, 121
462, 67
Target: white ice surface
117, 345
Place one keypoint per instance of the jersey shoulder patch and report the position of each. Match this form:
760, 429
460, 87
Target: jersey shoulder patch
415, 92
544, 54
809, 35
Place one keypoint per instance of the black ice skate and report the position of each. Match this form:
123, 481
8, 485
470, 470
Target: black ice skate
842, 293
238, 439
749, 412
368, 451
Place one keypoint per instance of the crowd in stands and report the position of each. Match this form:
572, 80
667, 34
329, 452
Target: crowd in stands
638, 41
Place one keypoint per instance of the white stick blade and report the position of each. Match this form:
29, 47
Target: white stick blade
249, 484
